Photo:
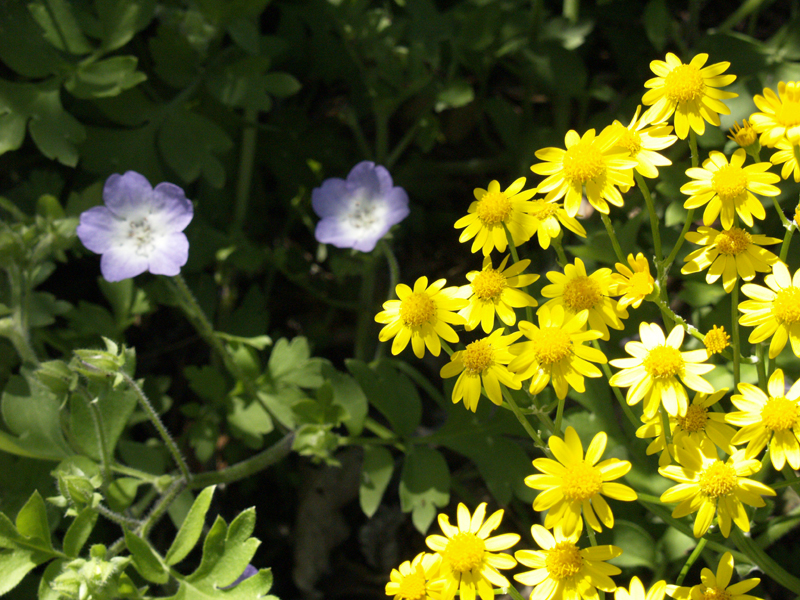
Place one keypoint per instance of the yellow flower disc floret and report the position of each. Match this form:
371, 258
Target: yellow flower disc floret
695, 419
663, 362
786, 306
551, 345
729, 182
488, 284
581, 482
718, 480
563, 561
716, 594
684, 83
417, 309
583, 162
478, 356
779, 118
780, 414
493, 208
464, 552
716, 340
413, 586
733, 241
582, 293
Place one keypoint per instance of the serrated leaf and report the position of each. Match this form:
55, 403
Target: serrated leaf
424, 485
145, 560
376, 472
79, 531
213, 549
249, 421
349, 395
191, 529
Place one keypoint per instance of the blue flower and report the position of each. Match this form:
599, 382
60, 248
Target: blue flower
139, 229
358, 211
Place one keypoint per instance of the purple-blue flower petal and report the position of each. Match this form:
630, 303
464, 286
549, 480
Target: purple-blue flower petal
121, 262
127, 195
174, 209
169, 254
98, 228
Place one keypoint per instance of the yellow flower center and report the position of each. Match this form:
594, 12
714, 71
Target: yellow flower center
716, 594
789, 114
542, 210
478, 356
493, 208
489, 284
663, 362
780, 414
417, 309
581, 482
745, 135
583, 162
563, 560
582, 293
641, 284
786, 306
550, 345
733, 242
729, 182
718, 480
464, 552
695, 419
630, 140
716, 340
412, 587
684, 83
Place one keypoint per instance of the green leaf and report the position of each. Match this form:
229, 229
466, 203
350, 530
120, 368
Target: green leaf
424, 485
281, 84
376, 472
79, 531
122, 492
191, 529
14, 565
249, 421
638, 545
242, 84
657, 23
115, 407
53, 570
291, 363
121, 19
349, 395
145, 560
391, 392
32, 521
455, 95
213, 549
111, 149
207, 382
189, 143
102, 78
22, 45
59, 26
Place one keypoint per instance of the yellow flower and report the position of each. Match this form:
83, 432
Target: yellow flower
572, 483
492, 210
416, 579
716, 340
594, 162
745, 135
787, 156
656, 591
470, 558
548, 217
641, 140
728, 188
773, 419
688, 90
654, 370
483, 361
716, 587
731, 253
574, 291
632, 285
774, 310
708, 486
562, 570
699, 424
421, 315
780, 116
495, 291
555, 350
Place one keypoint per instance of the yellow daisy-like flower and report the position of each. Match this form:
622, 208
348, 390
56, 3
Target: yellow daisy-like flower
594, 162
495, 291
576, 291
745, 135
421, 316
787, 156
492, 210
482, 362
633, 283
731, 254
773, 419
699, 424
636, 591
716, 340
774, 310
728, 188
416, 579
780, 116
688, 90
555, 351
572, 483
642, 140
548, 217
709, 486
470, 558
655, 368
716, 587
562, 570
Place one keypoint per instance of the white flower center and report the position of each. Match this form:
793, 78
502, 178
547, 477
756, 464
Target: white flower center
142, 234
364, 214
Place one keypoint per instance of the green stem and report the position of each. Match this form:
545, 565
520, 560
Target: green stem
161, 507
760, 368
246, 162
618, 393
640, 181
745, 8
404, 142
513, 592
672, 255
613, 237
117, 517
690, 561
787, 240
735, 331
248, 467
666, 310
667, 430
515, 257
571, 10
772, 569
97, 422
559, 415
154, 418
135, 473
526, 425
786, 222
556, 243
